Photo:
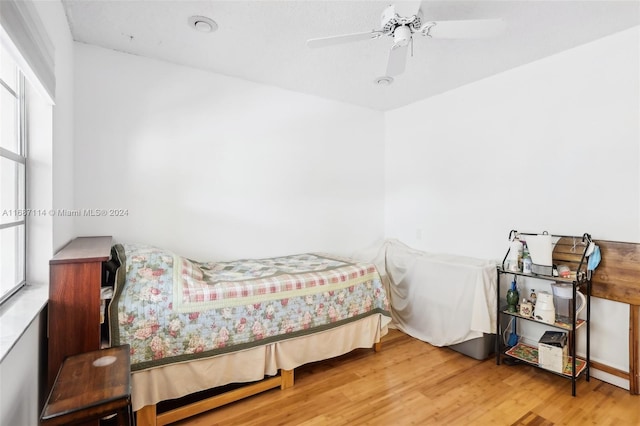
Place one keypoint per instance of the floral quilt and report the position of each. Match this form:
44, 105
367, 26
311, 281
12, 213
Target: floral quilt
169, 308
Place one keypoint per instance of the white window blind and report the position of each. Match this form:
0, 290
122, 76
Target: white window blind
23, 35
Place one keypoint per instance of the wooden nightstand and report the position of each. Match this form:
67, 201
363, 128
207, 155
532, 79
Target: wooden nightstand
90, 386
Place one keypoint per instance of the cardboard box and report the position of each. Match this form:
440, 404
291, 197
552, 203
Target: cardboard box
552, 351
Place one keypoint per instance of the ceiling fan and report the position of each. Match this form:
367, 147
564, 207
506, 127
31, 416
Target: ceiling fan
402, 22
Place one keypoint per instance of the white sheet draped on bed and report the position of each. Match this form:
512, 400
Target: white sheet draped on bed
438, 298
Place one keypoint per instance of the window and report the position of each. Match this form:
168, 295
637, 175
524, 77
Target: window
13, 216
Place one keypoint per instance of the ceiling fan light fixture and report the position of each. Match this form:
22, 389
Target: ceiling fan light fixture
401, 36
202, 24
384, 80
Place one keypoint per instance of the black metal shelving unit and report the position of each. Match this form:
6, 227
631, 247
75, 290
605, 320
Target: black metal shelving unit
581, 281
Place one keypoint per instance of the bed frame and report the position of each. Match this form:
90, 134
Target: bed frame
148, 415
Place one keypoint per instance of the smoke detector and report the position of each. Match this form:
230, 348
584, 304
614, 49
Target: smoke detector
202, 24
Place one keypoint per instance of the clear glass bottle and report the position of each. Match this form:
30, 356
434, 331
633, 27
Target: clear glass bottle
527, 265
513, 297
526, 259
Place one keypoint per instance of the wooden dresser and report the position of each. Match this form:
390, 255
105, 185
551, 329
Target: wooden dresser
74, 299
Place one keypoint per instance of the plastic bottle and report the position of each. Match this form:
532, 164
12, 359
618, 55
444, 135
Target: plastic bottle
533, 296
515, 256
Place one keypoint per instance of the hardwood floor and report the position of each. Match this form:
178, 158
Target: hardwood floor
413, 383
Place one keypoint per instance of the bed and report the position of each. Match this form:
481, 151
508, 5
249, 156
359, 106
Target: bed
194, 326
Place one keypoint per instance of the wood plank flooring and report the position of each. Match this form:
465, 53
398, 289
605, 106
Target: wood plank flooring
413, 383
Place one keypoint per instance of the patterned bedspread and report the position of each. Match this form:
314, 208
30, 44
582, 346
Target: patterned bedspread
172, 309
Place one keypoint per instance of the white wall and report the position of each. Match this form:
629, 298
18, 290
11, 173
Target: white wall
19, 391
63, 119
553, 145
214, 167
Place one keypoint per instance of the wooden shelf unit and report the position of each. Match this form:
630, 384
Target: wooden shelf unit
74, 300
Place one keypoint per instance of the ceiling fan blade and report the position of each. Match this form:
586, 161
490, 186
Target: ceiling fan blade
397, 60
345, 38
478, 28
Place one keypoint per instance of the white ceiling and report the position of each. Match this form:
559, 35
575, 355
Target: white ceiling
264, 41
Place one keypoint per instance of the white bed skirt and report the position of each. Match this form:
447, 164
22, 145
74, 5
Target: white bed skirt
172, 381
